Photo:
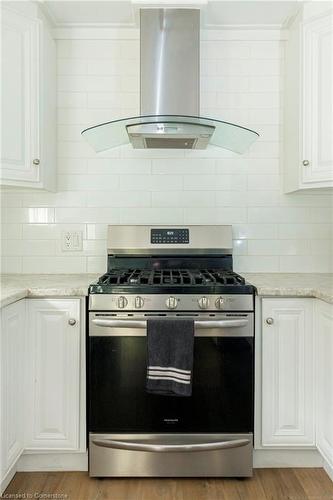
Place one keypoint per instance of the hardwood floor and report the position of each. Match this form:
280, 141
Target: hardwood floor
266, 484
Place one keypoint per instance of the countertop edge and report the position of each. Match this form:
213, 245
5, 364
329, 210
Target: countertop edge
262, 291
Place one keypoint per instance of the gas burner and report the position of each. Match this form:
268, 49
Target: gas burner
174, 277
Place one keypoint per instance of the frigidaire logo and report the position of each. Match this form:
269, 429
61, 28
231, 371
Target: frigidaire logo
170, 420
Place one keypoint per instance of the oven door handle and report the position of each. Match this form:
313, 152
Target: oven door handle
165, 448
133, 323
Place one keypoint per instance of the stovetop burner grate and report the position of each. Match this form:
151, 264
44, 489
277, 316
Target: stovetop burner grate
169, 277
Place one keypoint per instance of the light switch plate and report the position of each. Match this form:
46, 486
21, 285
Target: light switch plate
72, 241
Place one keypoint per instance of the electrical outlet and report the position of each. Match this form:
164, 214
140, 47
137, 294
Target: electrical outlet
71, 241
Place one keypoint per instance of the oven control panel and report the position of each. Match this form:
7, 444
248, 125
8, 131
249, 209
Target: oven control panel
169, 236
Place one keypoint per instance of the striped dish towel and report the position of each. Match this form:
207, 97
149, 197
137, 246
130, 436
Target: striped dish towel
170, 356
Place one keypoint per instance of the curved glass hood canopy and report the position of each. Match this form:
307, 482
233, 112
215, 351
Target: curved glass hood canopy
169, 93
170, 131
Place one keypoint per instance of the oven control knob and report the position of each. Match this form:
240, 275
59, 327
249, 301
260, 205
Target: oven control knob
219, 302
138, 302
171, 303
203, 303
122, 302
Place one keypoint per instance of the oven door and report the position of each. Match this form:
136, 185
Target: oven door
222, 393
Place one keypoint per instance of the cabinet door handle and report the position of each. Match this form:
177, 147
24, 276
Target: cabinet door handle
269, 321
72, 321
306, 163
36, 161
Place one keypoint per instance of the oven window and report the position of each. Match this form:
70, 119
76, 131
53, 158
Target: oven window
221, 401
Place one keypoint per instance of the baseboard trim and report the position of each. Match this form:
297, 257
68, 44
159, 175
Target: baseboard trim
329, 469
8, 477
53, 462
287, 458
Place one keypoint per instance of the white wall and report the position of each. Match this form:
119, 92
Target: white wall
98, 80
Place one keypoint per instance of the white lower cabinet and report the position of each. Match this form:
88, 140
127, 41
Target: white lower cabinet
53, 378
324, 369
287, 373
12, 347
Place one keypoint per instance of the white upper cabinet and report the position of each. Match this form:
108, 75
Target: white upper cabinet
287, 373
28, 100
308, 104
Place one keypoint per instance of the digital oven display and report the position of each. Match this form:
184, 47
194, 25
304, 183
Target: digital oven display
169, 236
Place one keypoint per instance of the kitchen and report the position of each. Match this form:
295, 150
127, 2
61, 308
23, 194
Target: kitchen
69, 66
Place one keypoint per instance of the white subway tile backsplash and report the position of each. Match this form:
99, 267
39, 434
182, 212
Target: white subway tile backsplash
263, 182
50, 231
224, 50
321, 247
266, 49
184, 166
304, 263
84, 215
278, 247
71, 67
71, 99
127, 100
11, 264
88, 182
97, 231
256, 264
62, 199
11, 199
225, 215
28, 247
33, 215
98, 81
321, 214
255, 231
119, 166
96, 264
53, 264
286, 215
182, 199
118, 199
120, 67
311, 231
11, 231
264, 84
226, 84
250, 67
71, 166
151, 216
260, 116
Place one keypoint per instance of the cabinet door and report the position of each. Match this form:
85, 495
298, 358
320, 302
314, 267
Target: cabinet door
317, 77
53, 375
287, 373
19, 84
12, 341
324, 340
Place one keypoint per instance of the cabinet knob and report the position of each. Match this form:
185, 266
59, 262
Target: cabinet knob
36, 161
269, 321
306, 163
72, 321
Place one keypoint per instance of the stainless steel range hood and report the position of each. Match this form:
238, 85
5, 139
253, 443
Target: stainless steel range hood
169, 92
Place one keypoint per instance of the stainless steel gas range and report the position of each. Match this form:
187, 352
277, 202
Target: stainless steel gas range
170, 272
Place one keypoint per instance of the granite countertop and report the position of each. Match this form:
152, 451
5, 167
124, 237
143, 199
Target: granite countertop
18, 286
317, 285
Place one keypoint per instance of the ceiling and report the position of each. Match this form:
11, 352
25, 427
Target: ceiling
215, 14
